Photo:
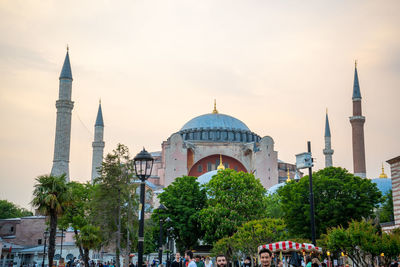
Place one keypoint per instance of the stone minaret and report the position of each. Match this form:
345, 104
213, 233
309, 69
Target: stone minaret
327, 151
64, 107
357, 124
98, 144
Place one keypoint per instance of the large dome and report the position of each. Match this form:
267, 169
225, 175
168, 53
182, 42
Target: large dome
219, 121
215, 127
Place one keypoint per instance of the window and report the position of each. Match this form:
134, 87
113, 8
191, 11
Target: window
226, 165
209, 166
236, 168
39, 241
12, 229
200, 168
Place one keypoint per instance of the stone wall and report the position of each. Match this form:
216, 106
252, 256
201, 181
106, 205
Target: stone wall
395, 173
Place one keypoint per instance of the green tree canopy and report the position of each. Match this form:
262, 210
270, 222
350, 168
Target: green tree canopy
385, 212
183, 199
114, 200
10, 210
233, 198
339, 197
363, 242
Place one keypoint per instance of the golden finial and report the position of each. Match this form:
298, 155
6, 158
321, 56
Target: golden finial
383, 174
99, 101
288, 175
220, 166
215, 111
326, 110
67, 48
355, 63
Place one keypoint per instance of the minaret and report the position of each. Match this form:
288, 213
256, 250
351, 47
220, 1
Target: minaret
98, 144
64, 107
357, 124
327, 150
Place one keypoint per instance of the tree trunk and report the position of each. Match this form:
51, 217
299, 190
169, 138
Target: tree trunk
52, 238
86, 257
80, 246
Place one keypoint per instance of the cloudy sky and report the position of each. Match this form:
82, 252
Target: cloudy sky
275, 65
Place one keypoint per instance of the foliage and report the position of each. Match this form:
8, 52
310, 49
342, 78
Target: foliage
77, 215
88, 238
385, 212
249, 236
339, 197
363, 242
183, 199
274, 206
10, 210
225, 246
114, 199
259, 232
49, 197
233, 198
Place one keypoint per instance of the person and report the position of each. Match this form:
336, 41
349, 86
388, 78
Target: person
279, 263
308, 261
177, 262
189, 258
199, 263
221, 261
247, 262
208, 262
265, 257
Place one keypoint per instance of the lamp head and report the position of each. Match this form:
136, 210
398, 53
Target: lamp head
143, 163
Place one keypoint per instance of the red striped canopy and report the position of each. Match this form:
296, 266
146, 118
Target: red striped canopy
287, 246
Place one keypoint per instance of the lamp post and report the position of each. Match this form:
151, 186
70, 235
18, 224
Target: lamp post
44, 247
143, 163
304, 160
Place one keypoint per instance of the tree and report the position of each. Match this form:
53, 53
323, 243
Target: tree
363, 243
385, 212
10, 210
88, 238
339, 197
183, 199
233, 198
249, 237
49, 197
274, 206
259, 232
114, 199
77, 215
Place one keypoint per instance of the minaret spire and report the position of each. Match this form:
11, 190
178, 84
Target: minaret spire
64, 107
328, 151
98, 144
357, 124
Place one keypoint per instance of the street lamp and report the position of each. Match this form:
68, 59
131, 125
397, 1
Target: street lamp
45, 234
304, 160
143, 163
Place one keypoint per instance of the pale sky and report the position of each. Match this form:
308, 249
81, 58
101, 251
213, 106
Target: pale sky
275, 65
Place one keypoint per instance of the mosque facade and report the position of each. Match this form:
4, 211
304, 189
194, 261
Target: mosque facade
203, 143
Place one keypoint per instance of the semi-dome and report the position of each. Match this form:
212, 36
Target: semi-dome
215, 120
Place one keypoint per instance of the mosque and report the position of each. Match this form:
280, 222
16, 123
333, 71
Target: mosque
204, 143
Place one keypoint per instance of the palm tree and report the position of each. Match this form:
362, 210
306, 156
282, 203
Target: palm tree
89, 238
49, 196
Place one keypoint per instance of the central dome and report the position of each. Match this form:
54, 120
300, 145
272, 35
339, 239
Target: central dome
216, 127
215, 120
